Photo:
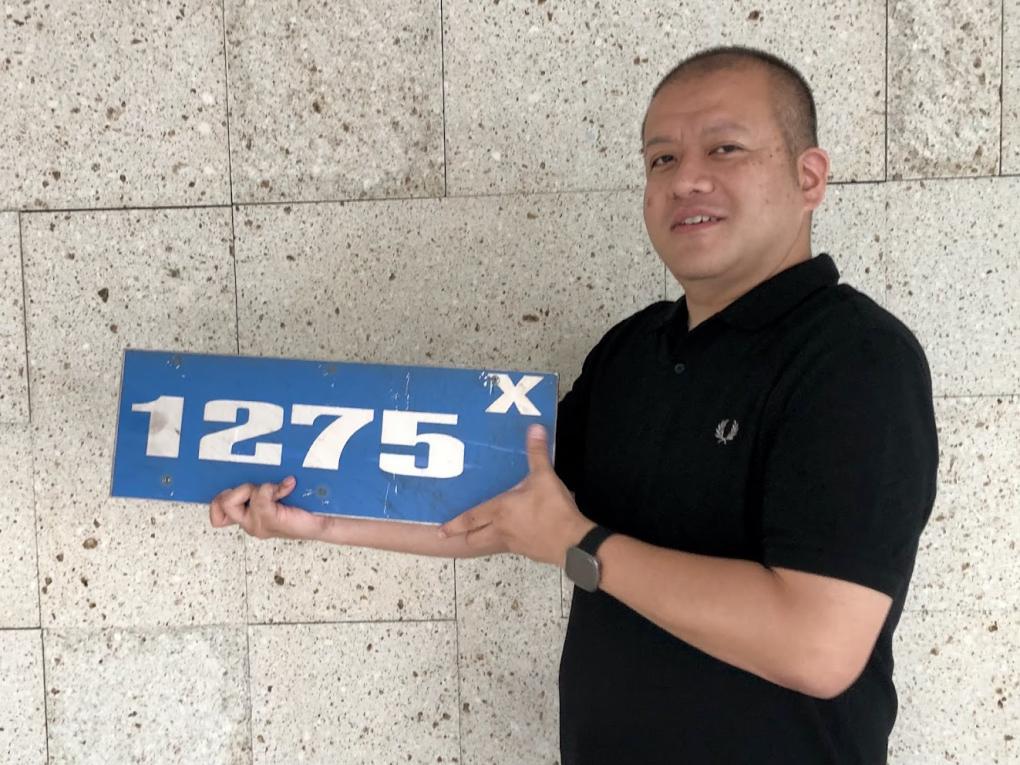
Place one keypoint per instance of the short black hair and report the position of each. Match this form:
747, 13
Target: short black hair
794, 107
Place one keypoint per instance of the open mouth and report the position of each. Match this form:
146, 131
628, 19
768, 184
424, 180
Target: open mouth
695, 223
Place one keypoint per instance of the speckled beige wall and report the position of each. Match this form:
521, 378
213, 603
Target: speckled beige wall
277, 178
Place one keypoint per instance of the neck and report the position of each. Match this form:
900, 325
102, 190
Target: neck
707, 297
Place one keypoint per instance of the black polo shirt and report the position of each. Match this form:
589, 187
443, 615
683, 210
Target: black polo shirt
794, 428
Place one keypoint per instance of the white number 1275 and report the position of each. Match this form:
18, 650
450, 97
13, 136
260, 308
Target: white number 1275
399, 428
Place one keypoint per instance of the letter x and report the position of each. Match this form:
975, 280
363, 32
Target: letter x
514, 395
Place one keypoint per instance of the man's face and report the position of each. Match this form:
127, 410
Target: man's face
713, 146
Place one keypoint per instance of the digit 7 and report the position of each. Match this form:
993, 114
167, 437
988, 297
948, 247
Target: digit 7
324, 453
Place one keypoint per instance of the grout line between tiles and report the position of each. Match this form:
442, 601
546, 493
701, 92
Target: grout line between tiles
975, 395
442, 83
482, 195
237, 343
136, 208
230, 185
46, 711
395, 622
511, 193
886, 160
460, 698
24, 319
35, 509
226, 99
182, 628
944, 178
1002, 82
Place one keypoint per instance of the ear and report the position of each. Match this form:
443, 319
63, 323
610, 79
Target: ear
813, 171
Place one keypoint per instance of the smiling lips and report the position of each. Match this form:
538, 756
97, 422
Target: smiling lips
686, 221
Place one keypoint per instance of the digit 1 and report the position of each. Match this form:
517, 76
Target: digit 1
165, 416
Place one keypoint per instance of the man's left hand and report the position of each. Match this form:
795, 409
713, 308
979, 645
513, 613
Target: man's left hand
537, 518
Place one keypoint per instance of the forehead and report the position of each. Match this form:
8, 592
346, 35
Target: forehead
724, 98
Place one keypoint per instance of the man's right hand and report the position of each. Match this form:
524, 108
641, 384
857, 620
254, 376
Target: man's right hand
256, 510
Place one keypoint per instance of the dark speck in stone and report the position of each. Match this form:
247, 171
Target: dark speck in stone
113, 328
175, 273
316, 107
88, 544
104, 293
278, 579
754, 16
530, 317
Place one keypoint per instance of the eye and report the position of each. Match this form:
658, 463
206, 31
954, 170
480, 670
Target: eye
727, 148
665, 157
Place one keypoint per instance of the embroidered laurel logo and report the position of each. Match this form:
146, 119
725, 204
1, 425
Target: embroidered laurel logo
726, 431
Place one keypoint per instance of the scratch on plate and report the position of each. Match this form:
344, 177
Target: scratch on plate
488, 379
386, 499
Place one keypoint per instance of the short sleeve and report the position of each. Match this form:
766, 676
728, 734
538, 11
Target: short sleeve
850, 469
571, 424
572, 412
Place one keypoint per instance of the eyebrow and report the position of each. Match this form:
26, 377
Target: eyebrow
715, 127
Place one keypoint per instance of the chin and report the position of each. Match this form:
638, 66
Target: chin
685, 268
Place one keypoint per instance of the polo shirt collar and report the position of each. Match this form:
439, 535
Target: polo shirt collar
769, 300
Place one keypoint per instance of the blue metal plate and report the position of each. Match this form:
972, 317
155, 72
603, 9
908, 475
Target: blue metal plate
403, 443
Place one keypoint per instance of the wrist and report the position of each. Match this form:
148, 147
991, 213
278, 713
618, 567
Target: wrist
324, 530
578, 529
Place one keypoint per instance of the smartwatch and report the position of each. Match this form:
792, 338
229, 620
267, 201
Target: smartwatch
582, 567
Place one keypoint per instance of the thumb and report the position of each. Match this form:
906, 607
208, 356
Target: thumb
285, 487
538, 454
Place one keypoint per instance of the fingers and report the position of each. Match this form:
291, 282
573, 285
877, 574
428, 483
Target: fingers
484, 538
475, 518
538, 453
285, 487
227, 507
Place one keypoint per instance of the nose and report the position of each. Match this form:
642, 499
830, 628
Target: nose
690, 176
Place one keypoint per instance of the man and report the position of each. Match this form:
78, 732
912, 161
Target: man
750, 468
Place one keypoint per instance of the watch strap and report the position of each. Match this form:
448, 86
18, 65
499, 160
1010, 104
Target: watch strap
594, 539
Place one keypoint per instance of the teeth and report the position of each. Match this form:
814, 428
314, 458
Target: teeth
697, 219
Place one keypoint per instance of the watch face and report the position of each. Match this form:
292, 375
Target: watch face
582, 569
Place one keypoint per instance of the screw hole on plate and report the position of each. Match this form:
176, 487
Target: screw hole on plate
166, 480
321, 491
